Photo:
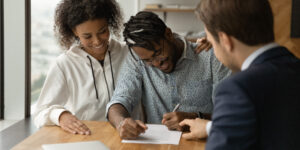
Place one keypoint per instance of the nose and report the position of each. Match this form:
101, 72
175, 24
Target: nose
97, 41
157, 63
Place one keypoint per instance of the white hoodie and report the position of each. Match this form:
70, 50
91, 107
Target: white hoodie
69, 85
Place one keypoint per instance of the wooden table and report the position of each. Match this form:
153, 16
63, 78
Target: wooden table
101, 131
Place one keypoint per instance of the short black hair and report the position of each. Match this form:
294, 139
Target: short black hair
70, 13
144, 28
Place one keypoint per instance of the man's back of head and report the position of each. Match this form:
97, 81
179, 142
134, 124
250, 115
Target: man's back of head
249, 21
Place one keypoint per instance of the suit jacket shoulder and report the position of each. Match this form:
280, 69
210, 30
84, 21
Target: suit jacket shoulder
259, 108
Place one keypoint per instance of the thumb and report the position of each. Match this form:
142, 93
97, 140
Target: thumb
187, 136
140, 123
185, 122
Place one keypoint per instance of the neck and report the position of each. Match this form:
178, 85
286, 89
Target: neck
243, 52
99, 55
179, 47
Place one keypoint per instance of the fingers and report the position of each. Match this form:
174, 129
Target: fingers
203, 44
167, 116
173, 124
82, 128
141, 124
68, 129
209, 46
186, 122
70, 123
130, 129
200, 40
171, 121
188, 136
77, 128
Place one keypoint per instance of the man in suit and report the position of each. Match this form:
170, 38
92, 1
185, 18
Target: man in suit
259, 106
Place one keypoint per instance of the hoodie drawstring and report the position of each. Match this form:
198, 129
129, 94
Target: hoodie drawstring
93, 77
112, 74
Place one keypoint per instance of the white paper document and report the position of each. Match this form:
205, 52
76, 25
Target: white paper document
90, 145
157, 134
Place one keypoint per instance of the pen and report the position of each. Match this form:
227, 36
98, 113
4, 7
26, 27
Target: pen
176, 107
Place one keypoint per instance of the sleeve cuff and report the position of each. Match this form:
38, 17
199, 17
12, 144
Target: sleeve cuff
208, 127
54, 115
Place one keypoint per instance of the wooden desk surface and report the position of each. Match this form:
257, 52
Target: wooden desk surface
101, 131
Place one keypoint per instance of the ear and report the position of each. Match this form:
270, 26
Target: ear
226, 41
168, 34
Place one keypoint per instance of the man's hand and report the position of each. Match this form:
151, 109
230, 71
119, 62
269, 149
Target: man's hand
172, 119
130, 129
70, 123
197, 128
203, 44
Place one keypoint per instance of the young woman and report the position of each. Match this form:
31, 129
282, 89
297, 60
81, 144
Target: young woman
81, 81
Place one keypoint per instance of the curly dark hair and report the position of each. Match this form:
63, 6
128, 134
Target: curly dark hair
70, 13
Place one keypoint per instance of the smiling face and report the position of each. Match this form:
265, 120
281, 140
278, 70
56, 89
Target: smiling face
163, 58
94, 36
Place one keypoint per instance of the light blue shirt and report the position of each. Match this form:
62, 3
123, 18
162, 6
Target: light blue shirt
191, 84
256, 53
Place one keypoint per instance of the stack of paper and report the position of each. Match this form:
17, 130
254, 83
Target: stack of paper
157, 134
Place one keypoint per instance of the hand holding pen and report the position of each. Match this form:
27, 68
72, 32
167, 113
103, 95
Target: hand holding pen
176, 107
172, 119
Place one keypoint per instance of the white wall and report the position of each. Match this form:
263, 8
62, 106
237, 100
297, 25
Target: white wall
178, 21
14, 59
129, 8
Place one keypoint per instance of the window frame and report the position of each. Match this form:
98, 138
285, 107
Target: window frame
27, 58
1, 61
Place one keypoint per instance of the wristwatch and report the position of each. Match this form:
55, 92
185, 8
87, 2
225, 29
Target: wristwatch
206, 116
200, 115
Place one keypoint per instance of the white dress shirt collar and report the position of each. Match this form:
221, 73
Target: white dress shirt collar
256, 53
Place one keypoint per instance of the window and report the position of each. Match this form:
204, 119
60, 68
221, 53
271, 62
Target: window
1, 63
44, 46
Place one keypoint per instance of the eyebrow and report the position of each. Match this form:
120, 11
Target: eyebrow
100, 29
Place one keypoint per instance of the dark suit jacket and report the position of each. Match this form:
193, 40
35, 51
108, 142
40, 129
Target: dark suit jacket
259, 108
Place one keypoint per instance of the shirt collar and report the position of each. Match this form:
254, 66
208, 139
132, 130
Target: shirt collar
256, 53
187, 52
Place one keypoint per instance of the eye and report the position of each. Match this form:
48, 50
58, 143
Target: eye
103, 31
146, 60
87, 37
157, 52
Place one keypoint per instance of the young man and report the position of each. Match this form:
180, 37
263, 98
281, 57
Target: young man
164, 71
259, 107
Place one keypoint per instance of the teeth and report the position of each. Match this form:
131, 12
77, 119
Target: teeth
99, 46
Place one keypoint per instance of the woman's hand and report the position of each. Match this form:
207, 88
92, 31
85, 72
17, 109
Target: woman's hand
203, 44
70, 123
